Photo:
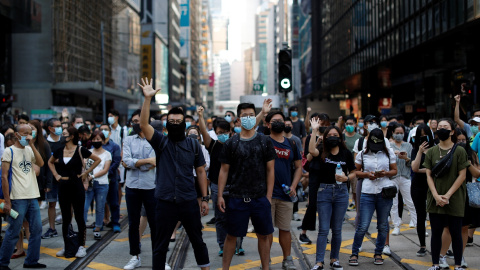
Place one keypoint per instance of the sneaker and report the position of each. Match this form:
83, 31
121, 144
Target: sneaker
57, 206
412, 225
464, 264
296, 217
304, 239
167, 267
470, 241
396, 231
58, 219
134, 262
434, 268
212, 221
317, 267
240, 252
422, 252
43, 205
426, 234
49, 234
459, 268
351, 207
336, 266
97, 235
82, 252
116, 229
288, 264
220, 252
61, 253
443, 262
449, 254
386, 250
360, 249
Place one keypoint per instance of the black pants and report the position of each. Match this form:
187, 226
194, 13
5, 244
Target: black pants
438, 222
135, 198
71, 193
310, 218
400, 204
418, 192
167, 214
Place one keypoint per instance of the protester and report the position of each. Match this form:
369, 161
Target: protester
194, 133
298, 125
288, 134
350, 138
117, 135
77, 121
473, 125
384, 125
361, 129
72, 183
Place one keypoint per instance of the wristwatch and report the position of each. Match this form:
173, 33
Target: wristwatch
205, 198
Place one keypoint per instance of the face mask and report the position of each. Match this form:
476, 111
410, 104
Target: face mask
332, 142
237, 129
428, 124
278, 127
34, 134
193, 136
248, 122
350, 128
106, 133
58, 131
228, 118
64, 139
383, 124
98, 125
360, 125
97, 145
164, 122
223, 137
294, 114
23, 141
371, 127
187, 124
136, 128
288, 129
462, 144
398, 137
443, 134
176, 132
475, 130
77, 126
111, 120
322, 129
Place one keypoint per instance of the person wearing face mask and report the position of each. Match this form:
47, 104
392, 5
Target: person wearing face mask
298, 125
98, 186
288, 133
361, 129
140, 161
375, 165
189, 121
447, 194
384, 125
473, 124
77, 121
194, 133
417, 120
116, 135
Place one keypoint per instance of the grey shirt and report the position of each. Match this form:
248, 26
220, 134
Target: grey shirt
297, 140
136, 148
403, 167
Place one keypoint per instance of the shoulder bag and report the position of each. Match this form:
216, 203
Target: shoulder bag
443, 166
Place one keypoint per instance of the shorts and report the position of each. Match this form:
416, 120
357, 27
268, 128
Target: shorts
282, 212
52, 195
143, 212
353, 184
239, 212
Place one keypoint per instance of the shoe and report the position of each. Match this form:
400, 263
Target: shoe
50, 233
296, 217
422, 252
412, 225
116, 229
317, 267
220, 252
134, 262
386, 250
97, 235
91, 226
470, 241
240, 252
288, 264
353, 262
443, 262
16, 256
212, 221
57, 206
449, 254
43, 205
167, 267
396, 231
336, 266
464, 264
360, 249
61, 253
378, 260
351, 207
37, 265
426, 234
82, 252
58, 219
304, 239
434, 268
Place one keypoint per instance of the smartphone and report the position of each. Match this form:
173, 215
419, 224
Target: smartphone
403, 153
378, 172
423, 139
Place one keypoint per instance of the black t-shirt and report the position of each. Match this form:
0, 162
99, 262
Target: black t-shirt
344, 158
215, 150
74, 166
418, 176
299, 129
315, 163
248, 159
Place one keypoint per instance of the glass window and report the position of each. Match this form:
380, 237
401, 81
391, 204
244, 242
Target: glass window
460, 12
406, 4
444, 16
470, 10
418, 33
430, 23
477, 8
407, 36
412, 33
452, 13
412, 6
424, 26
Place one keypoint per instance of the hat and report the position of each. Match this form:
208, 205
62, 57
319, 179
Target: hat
157, 125
475, 119
370, 118
376, 140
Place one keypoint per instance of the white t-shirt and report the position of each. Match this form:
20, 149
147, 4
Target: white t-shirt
102, 180
24, 180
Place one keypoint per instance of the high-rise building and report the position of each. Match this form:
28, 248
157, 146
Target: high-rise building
224, 88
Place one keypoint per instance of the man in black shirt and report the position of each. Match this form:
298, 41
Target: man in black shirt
298, 125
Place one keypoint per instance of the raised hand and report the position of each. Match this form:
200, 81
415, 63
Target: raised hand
315, 123
423, 147
147, 88
457, 98
200, 110
309, 109
267, 105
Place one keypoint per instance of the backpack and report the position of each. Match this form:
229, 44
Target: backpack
9, 177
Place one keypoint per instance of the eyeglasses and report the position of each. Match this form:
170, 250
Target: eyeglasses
135, 121
174, 122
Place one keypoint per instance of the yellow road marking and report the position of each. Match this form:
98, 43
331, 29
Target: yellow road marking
126, 239
101, 266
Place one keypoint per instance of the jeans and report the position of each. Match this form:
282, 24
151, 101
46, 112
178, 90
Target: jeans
135, 198
112, 199
403, 185
419, 196
100, 193
27, 209
332, 204
438, 223
310, 218
221, 220
370, 203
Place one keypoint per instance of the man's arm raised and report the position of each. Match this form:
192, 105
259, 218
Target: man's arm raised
148, 92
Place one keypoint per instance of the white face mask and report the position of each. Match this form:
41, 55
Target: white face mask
372, 126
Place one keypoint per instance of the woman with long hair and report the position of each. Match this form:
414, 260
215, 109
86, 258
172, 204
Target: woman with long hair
45, 177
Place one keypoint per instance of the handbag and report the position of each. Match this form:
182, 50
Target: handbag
389, 192
71, 243
473, 191
443, 166
9, 179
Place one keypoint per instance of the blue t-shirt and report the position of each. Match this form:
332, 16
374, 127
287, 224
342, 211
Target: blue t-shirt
283, 167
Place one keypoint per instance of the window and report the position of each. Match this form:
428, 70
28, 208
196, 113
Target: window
470, 10
444, 16
452, 18
424, 26
430, 23
460, 12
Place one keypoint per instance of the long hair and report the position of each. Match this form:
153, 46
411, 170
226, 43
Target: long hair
379, 134
326, 149
471, 154
39, 139
428, 132
452, 126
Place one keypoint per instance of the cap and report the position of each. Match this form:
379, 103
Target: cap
370, 118
378, 143
475, 119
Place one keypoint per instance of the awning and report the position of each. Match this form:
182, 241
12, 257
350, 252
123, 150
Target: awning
94, 90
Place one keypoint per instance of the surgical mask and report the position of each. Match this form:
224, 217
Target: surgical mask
371, 127
187, 124
98, 125
475, 130
97, 145
77, 126
237, 129
443, 134
106, 133
164, 122
34, 134
58, 131
278, 127
383, 124
288, 129
248, 122
223, 137
360, 125
23, 141
228, 118
350, 128
111, 120
294, 114
398, 137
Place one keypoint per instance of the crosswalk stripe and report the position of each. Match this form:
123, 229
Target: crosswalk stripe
101, 266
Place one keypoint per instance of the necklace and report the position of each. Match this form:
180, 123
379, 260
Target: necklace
442, 155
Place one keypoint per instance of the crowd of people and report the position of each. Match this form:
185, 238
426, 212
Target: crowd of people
254, 166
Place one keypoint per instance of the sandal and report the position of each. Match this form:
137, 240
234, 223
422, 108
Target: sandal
353, 262
378, 260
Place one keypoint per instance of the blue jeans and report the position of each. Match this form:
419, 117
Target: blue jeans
332, 203
369, 203
27, 209
221, 219
112, 199
100, 193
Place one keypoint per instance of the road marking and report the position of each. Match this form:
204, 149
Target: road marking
252, 264
126, 239
101, 266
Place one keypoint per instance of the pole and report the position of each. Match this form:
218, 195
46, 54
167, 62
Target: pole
104, 103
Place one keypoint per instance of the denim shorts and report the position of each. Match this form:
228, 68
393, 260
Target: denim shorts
240, 210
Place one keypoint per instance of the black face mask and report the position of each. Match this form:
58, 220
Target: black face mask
332, 142
278, 127
443, 134
322, 129
288, 129
136, 128
97, 145
193, 136
63, 139
176, 132
462, 144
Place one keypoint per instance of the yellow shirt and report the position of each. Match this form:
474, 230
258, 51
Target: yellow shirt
24, 180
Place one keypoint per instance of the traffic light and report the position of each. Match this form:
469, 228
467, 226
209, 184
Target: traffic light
285, 70
6, 102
